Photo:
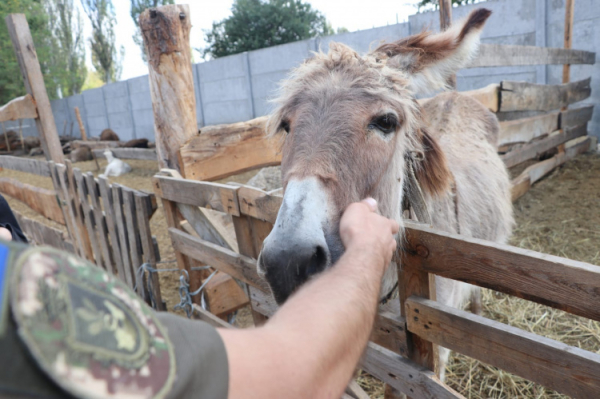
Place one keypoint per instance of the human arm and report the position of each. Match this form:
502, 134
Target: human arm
312, 345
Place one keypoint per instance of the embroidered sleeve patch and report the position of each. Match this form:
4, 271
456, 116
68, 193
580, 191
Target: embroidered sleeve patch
87, 330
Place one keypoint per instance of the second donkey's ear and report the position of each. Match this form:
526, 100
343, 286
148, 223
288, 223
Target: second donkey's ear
430, 59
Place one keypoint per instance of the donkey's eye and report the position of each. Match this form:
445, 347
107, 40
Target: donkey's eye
385, 123
285, 125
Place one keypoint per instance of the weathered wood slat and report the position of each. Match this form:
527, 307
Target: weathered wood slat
106, 195
488, 96
135, 248
491, 55
259, 204
68, 205
576, 116
18, 108
223, 150
101, 226
146, 154
236, 265
525, 130
522, 96
142, 208
532, 150
88, 216
41, 234
118, 211
33, 166
39, 199
522, 183
219, 197
66, 211
73, 195
561, 283
566, 369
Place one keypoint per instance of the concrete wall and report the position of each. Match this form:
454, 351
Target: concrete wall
238, 87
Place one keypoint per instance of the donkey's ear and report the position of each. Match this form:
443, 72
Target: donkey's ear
430, 59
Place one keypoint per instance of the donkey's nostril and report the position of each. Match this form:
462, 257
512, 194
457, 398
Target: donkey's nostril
317, 262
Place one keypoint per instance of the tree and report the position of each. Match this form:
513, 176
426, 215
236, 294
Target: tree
256, 24
137, 7
434, 4
11, 81
104, 51
69, 56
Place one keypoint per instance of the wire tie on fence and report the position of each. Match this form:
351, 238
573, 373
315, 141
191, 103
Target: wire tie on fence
185, 295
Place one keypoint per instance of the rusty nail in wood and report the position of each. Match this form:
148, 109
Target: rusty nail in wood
182, 16
152, 13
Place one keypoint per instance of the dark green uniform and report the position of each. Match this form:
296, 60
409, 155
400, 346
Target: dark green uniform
68, 329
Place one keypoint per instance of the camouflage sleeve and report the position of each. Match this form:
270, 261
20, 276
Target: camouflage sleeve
200, 356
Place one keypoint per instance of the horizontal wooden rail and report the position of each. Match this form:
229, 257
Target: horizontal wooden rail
94, 145
494, 55
566, 369
238, 266
219, 197
522, 183
259, 204
144, 154
40, 200
34, 166
523, 96
18, 108
532, 150
550, 280
41, 234
223, 150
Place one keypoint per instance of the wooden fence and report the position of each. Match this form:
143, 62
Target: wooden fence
535, 126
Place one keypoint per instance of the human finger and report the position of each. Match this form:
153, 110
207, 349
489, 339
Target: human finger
371, 203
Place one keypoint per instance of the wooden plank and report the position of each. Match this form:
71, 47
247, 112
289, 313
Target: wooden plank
522, 96
550, 280
18, 108
535, 149
147, 154
76, 236
236, 265
94, 145
224, 150
488, 96
18, 28
41, 200
101, 225
566, 369
259, 204
224, 295
88, 216
568, 42
219, 197
135, 247
210, 318
34, 166
60, 194
80, 122
73, 195
491, 55
525, 130
535, 172
142, 208
576, 116
117, 192
44, 235
111, 223
404, 375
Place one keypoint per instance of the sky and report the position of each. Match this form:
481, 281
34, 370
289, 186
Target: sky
351, 14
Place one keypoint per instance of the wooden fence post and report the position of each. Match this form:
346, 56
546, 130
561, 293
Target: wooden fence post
18, 28
569, 14
81, 127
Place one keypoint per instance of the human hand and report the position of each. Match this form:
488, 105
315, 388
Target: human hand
362, 229
5, 234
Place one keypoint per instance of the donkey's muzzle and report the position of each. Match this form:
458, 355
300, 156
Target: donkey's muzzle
287, 267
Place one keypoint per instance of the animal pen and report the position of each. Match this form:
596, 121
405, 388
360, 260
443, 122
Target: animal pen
224, 225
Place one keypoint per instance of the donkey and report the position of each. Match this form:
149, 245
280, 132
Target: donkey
353, 129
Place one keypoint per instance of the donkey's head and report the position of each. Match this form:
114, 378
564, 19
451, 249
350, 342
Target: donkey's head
349, 122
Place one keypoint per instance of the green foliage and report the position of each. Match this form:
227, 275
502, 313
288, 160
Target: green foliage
137, 7
105, 57
435, 5
68, 58
11, 81
256, 24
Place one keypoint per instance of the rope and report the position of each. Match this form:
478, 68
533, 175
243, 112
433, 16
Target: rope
185, 295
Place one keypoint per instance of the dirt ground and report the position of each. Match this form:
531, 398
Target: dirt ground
560, 215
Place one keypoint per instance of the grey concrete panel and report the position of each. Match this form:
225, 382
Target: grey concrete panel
120, 120
139, 85
523, 39
262, 106
117, 104
279, 58
266, 85
584, 9
117, 89
365, 40
233, 89
233, 66
143, 118
473, 82
96, 125
141, 100
227, 112
95, 109
495, 71
145, 132
93, 96
125, 133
